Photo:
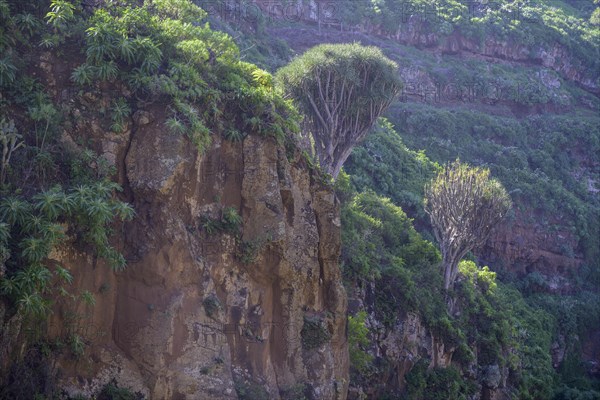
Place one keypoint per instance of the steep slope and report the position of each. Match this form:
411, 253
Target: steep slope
225, 283
199, 314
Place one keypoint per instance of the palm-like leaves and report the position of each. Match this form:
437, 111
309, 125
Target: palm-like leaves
120, 110
114, 258
231, 219
77, 345
53, 203
107, 70
123, 210
4, 233
127, 50
33, 225
149, 53
81, 193
4, 9
27, 23
62, 11
175, 125
137, 79
105, 188
102, 45
64, 274
14, 210
53, 233
33, 304
32, 279
234, 135
83, 75
99, 211
50, 41
34, 249
88, 298
8, 70
98, 237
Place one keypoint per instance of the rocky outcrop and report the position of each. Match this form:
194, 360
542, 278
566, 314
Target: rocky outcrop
208, 315
525, 247
398, 347
258, 311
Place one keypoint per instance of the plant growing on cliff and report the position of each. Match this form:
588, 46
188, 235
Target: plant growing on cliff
161, 50
248, 390
212, 305
10, 141
314, 333
112, 391
437, 383
464, 204
36, 226
342, 90
229, 221
358, 342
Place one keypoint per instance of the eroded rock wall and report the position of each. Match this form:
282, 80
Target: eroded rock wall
197, 315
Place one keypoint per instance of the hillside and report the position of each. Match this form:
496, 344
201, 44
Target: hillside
166, 231
517, 93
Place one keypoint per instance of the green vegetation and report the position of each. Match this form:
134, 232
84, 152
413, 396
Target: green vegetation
32, 227
437, 383
541, 160
250, 391
212, 305
538, 25
384, 164
54, 191
163, 51
160, 50
296, 392
112, 391
497, 325
342, 90
248, 250
229, 221
358, 341
380, 245
314, 333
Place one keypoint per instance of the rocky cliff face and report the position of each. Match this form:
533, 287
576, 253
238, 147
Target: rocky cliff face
199, 313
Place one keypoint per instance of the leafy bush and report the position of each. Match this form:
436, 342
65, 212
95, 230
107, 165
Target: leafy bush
384, 164
111, 391
161, 49
229, 222
358, 342
35, 226
314, 333
250, 391
212, 305
381, 245
437, 383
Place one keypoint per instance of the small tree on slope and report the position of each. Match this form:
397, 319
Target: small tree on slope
464, 204
342, 89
